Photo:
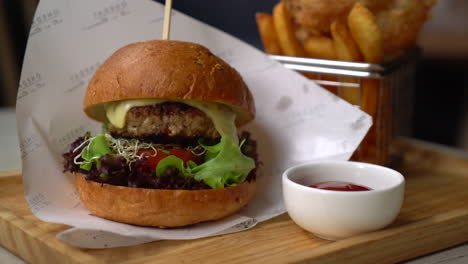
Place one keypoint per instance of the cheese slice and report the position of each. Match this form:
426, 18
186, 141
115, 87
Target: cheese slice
117, 111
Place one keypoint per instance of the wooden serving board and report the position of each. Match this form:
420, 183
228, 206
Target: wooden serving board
434, 216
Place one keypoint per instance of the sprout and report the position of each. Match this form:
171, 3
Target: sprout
197, 151
85, 142
129, 148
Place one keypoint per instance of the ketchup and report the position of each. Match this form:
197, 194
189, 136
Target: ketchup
340, 186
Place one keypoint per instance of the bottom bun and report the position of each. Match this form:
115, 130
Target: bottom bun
162, 208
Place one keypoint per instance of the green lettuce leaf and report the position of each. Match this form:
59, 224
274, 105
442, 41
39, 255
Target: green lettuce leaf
171, 161
228, 165
86, 166
224, 165
211, 151
96, 148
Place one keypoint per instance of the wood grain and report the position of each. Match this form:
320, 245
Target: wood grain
433, 217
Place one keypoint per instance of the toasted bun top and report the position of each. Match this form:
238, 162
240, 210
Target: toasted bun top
167, 69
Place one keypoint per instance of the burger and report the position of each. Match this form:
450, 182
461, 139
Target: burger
170, 153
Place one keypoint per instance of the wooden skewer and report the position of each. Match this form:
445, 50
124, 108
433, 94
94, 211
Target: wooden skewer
167, 20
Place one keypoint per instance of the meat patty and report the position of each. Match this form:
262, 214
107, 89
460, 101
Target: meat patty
169, 119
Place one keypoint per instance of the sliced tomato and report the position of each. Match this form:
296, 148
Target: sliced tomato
183, 154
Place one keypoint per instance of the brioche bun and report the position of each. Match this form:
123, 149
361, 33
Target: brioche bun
162, 208
167, 69
172, 70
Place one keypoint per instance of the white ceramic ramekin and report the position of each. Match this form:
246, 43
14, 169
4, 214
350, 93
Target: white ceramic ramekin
336, 215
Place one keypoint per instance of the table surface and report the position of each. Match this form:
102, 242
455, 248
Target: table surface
10, 160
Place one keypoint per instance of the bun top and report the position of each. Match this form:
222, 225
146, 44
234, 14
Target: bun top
167, 69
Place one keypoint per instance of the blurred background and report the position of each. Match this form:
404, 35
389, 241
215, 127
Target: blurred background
441, 90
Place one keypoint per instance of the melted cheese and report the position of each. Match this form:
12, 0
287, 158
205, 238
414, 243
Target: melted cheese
222, 116
117, 111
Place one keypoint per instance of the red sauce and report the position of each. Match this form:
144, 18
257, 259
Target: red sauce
340, 186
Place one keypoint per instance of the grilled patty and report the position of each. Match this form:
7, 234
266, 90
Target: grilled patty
166, 120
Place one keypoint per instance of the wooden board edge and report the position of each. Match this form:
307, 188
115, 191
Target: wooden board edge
395, 244
432, 156
36, 244
418, 238
10, 173
435, 147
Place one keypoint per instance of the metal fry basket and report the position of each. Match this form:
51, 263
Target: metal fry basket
382, 90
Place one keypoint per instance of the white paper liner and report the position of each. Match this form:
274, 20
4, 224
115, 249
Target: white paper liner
296, 120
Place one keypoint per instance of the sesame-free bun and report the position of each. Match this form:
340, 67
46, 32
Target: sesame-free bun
167, 69
162, 208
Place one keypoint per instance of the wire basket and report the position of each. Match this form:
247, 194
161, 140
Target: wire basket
384, 91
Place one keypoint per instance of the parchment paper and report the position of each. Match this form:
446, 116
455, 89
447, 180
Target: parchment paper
297, 120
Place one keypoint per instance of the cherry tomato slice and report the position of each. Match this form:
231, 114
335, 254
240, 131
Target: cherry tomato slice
183, 154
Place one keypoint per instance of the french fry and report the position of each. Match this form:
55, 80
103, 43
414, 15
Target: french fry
345, 47
367, 33
266, 28
285, 31
369, 103
355, 36
369, 96
320, 48
369, 38
375, 147
386, 119
346, 50
350, 94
